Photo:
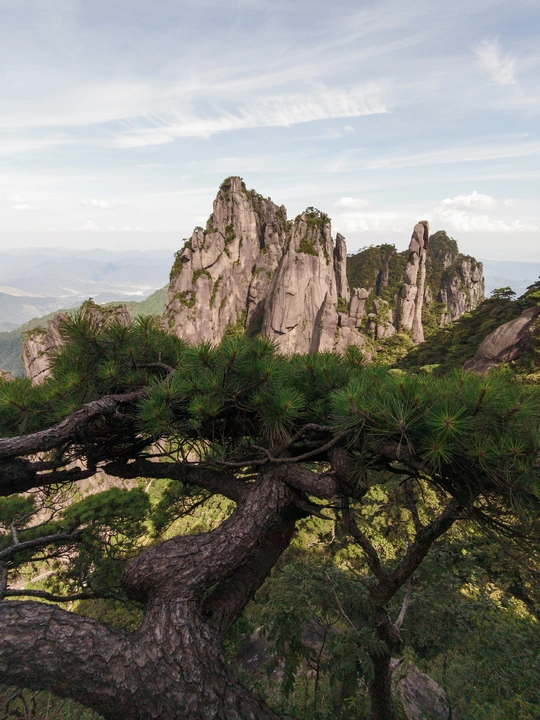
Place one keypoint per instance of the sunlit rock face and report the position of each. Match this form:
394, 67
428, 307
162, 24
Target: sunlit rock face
411, 296
505, 343
252, 269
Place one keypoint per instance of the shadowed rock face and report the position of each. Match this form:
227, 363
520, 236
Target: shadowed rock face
503, 344
251, 268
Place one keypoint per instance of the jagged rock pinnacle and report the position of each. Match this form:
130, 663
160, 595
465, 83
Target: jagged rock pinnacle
251, 268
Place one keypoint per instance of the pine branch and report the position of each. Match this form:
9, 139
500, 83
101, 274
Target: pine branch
60, 537
66, 429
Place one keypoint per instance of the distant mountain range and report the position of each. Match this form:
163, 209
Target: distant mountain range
38, 281
517, 275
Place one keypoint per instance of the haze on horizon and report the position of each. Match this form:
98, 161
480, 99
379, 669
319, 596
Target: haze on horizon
120, 120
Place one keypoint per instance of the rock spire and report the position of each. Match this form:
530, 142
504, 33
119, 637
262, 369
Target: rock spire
411, 296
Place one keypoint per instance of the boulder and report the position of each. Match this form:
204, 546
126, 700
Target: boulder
421, 697
503, 344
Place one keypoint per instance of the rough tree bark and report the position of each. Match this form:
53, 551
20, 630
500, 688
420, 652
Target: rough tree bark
193, 589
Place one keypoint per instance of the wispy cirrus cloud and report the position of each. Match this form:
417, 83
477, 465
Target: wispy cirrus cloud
278, 111
501, 68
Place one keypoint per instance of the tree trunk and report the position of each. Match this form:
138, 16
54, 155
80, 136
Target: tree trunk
173, 667
380, 689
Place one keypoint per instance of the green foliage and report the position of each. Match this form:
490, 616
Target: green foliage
186, 298
177, 263
307, 247
11, 342
369, 268
504, 293
15, 509
468, 437
230, 235
214, 290
29, 705
198, 273
442, 246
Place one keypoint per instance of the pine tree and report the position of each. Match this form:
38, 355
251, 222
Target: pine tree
282, 439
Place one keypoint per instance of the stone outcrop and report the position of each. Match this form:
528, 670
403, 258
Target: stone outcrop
6, 376
421, 697
40, 345
461, 285
505, 343
253, 269
357, 306
453, 283
462, 288
411, 296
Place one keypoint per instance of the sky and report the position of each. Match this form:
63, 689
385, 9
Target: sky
119, 120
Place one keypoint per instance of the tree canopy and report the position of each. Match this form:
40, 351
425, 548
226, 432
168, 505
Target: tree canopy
393, 461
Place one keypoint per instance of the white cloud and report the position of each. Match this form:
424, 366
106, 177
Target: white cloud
474, 201
466, 213
500, 67
24, 207
21, 204
350, 202
279, 111
101, 204
90, 226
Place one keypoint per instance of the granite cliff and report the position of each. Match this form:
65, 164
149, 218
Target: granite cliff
253, 269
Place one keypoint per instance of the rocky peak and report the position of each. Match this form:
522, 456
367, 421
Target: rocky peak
221, 276
252, 269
